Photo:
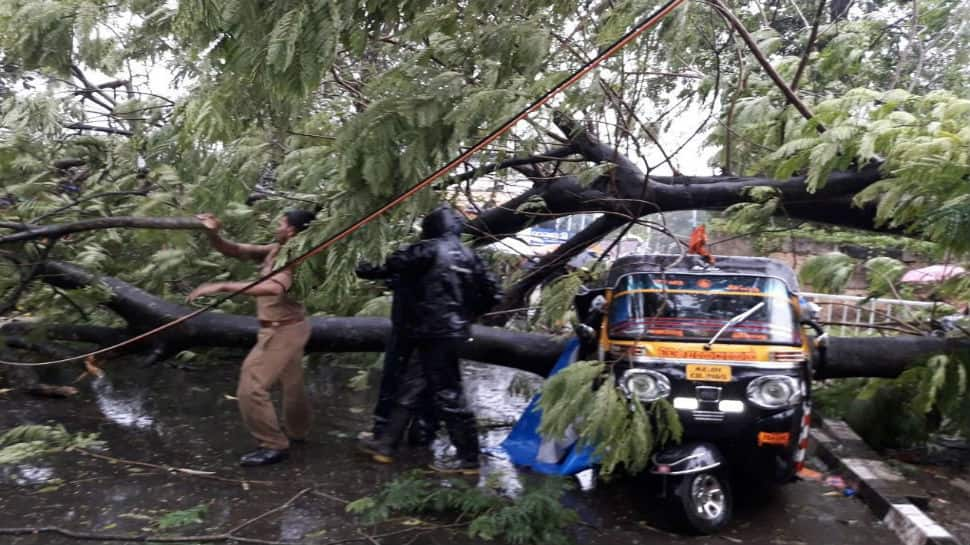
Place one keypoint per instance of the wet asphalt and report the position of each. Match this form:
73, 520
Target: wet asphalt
188, 419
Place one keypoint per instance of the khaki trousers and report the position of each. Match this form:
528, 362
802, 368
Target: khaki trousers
277, 356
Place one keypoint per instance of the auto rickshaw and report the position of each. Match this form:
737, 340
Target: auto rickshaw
724, 344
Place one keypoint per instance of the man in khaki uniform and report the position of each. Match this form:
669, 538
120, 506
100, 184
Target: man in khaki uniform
278, 353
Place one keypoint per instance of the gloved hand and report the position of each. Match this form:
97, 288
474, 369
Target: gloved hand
366, 270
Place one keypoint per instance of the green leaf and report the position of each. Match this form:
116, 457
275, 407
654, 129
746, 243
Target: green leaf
820, 165
184, 517
828, 273
883, 274
283, 39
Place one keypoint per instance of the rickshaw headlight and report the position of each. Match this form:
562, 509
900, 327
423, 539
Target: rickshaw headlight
774, 391
645, 385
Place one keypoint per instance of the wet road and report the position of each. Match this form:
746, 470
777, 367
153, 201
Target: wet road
185, 419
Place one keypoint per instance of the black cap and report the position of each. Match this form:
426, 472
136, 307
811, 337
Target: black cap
299, 219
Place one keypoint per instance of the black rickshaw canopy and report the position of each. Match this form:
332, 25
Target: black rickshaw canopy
671, 263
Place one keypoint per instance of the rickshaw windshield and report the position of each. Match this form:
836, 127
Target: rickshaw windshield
693, 307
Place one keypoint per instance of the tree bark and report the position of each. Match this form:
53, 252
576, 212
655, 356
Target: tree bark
535, 353
549, 264
884, 356
144, 311
33, 232
627, 192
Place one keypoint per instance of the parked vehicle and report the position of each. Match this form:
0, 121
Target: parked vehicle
725, 344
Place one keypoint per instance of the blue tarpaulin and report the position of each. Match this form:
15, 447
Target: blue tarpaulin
524, 442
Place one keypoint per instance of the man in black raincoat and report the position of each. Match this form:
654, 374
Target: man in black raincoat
445, 286
400, 348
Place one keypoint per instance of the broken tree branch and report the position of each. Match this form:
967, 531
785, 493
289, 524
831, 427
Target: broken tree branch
86, 127
56, 231
763, 61
813, 35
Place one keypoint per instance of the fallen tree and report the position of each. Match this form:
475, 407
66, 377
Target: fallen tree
535, 353
143, 311
625, 194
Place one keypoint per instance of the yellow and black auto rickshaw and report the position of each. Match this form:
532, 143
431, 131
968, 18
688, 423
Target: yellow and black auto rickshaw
724, 344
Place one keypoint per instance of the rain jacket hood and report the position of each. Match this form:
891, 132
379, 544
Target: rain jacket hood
442, 221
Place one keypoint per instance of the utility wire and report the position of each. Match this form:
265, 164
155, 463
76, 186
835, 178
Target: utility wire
641, 27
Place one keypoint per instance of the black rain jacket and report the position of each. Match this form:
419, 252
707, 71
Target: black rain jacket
443, 284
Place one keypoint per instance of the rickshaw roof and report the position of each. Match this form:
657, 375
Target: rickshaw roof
757, 266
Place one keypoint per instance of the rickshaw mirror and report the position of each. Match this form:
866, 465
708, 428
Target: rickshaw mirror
808, 311
584, 332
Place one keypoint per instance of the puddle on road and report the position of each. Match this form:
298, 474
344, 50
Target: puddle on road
126, 408
25, 474
189, 419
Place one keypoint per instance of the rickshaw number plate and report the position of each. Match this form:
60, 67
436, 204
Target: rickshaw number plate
714, 373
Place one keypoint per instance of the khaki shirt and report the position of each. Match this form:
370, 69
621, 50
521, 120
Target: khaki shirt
282, 307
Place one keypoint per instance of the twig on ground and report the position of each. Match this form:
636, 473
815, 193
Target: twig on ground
209, 538
270, 512
177, 470
330, 496
367, 537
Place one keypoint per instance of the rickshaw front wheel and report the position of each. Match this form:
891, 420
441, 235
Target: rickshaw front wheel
706, 501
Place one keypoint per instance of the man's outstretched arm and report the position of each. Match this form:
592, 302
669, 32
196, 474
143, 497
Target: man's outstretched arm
274, 285
256, 252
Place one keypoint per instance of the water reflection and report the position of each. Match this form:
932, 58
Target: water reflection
295, 523
127, 409
26, 474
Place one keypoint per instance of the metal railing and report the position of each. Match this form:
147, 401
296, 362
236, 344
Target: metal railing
848, 315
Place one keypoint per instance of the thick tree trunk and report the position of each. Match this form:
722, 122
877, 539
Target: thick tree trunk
143, 311
34, 232
627, 193
845, 357
884, 356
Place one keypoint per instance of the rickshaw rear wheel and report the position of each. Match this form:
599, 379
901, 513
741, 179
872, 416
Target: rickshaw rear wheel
706, 501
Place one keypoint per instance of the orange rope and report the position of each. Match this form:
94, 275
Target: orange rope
645, 25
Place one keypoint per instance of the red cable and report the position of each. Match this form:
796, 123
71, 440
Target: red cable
645, 25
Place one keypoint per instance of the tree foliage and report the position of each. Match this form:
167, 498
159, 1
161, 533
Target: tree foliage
535, 516
34, 440
135, 108
623, 431
345, 104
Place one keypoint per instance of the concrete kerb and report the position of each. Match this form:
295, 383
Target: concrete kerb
887, 493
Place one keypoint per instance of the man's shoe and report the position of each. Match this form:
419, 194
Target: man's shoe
456, 466
379, 452
263, 456
422, 432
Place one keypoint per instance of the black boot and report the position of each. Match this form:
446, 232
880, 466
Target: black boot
382, 448
379, 452
464, 435
422, 432
424, 425
263, 456
380, 423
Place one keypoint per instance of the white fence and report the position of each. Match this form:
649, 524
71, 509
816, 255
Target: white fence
846, 315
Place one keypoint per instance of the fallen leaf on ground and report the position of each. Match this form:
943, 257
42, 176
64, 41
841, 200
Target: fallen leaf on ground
47, 390
188, 471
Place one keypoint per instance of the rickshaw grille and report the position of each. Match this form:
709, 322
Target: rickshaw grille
708, 416
788, 357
